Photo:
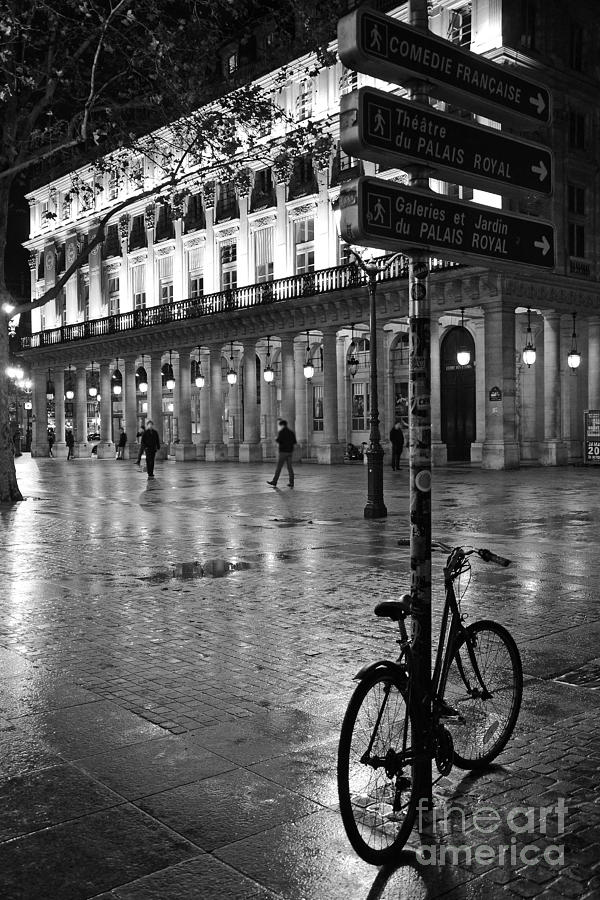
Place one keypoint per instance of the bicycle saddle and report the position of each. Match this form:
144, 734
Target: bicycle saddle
394, 609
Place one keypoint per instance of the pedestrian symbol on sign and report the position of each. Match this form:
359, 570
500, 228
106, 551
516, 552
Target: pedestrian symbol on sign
375, 37
379, 210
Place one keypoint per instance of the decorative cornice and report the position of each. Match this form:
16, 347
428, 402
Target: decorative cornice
304, 211
164, 251
197, 241
262, 222
230, 232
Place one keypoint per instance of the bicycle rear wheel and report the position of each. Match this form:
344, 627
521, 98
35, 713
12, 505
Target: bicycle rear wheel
486, 715
376, 784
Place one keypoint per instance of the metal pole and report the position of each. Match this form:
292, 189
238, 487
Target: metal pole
420, 468
375, 508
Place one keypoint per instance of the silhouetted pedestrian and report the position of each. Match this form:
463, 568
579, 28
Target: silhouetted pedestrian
150, 444
397, 439
70, 442
287, 441
121, 444
50, 443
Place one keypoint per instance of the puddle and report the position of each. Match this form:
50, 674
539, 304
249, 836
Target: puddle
217, 567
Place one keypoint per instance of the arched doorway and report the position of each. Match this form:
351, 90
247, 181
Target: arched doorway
458, 395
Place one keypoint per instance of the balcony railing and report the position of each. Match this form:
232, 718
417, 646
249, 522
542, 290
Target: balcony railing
295, 287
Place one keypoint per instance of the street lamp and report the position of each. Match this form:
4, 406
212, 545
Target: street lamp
118, 380
231, 373
353, 361
69, 392
93, 390
574, 357
199, 379
529, 348
143, 376
309, 369
463, 355
268, 371
170, 381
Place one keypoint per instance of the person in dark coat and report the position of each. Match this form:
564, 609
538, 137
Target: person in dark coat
50, 443
70, 442
121, 444
397, 439
150, 443
287, 441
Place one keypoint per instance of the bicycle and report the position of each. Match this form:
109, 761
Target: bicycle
476, 690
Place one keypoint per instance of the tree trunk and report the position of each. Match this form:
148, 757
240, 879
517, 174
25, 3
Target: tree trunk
9, 489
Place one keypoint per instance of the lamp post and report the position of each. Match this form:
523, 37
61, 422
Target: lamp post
375, 507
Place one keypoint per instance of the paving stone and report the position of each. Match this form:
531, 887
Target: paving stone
117, 666
81, 858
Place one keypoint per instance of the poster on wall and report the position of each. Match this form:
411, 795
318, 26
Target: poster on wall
591, 441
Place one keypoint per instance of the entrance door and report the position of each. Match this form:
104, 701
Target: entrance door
458, 395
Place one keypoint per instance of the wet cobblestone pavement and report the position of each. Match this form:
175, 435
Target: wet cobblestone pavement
171, 734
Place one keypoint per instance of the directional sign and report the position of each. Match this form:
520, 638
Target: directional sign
378, 213
380, 45
378, 126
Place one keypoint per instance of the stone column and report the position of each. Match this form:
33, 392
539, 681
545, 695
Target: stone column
250, 449
330, 451
130, 407
204, 436
553, 451
80, 429
500, 447
39, 422
288, 399
216, 449
233, 409
185, 449
268, 403
439, 452
155, 404
301, 389
106, 448
59, 408
593, 401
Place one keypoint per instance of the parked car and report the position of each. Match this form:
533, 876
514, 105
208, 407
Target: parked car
94, 440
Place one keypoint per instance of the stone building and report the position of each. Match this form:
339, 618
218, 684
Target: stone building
185, 311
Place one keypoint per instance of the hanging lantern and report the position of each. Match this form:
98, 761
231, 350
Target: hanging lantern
353, 361
170, 382
529, 348
69, 392
268, 371
93, 390
463, 355
142, 377
574, 357
199, 380
49, 387
309, 369
231, 373
118, 381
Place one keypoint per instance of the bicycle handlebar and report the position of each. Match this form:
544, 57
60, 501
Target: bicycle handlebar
488, 556
485, 554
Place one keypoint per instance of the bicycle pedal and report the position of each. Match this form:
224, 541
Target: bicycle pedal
445, 711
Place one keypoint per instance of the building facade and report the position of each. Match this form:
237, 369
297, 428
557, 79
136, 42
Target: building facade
185, 308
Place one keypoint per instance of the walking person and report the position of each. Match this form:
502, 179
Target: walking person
70, 442
150, 444
287, 441
50, 443
121, 444
397, 439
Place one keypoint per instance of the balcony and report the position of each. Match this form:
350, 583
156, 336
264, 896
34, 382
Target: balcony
324, 281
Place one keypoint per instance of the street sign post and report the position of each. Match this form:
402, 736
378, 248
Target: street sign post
378, 213
379, 45
381, 127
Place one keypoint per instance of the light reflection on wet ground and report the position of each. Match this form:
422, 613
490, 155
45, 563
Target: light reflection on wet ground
221, 697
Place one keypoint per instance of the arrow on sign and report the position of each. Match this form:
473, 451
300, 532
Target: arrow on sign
540, 170
542, 245
538, 102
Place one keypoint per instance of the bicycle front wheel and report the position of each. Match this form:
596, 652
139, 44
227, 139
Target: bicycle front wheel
486, 696
376, 784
